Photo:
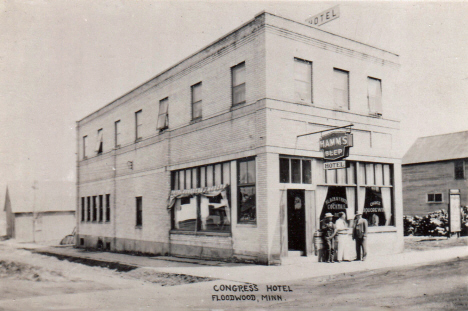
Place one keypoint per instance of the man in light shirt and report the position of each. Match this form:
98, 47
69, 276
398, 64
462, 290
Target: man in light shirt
341, 227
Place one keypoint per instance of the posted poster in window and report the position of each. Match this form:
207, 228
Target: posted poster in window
335, 202
373, 207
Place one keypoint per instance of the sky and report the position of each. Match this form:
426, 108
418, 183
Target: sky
62, 60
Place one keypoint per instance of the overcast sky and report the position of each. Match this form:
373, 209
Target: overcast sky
61, 60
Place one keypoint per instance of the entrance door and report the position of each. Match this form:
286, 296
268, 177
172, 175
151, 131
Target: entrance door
296, 220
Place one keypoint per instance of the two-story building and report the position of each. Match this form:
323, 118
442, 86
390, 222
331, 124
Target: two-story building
207, 160
432, 167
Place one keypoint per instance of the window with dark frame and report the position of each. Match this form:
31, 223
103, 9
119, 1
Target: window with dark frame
303, 80
341, 89
99, 142
163, 114
139, 211
85, 147
108, 207
196, 101
460, 169
434, 198
88, 218
374, 95
295, 170
94, 208
117, 134
101, 208
238, 84
138, 125
83, 208
246, 174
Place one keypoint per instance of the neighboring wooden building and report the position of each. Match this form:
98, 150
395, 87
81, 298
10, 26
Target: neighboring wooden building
431, 167
38, 212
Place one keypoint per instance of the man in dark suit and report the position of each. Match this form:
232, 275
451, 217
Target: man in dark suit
360, 236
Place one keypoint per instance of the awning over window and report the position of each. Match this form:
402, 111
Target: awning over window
205, 191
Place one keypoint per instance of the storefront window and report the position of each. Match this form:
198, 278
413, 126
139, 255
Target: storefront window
378, 206
199, 205
375, 195
246, 199
338, 199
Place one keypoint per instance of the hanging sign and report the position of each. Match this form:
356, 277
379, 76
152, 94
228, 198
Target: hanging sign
336, 145
334, 165
325, 16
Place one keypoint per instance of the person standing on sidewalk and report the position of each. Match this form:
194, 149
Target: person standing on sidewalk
329, 232
341, 226
360, 236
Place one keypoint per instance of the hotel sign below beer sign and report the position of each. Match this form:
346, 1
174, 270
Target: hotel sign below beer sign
336, 145
324, 17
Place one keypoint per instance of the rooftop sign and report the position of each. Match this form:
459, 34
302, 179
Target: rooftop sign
336, 145
324, 17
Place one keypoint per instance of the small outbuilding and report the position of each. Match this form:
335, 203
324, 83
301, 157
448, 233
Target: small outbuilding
38, 211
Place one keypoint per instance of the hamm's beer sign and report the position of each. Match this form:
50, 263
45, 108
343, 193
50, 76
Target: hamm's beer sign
336, 145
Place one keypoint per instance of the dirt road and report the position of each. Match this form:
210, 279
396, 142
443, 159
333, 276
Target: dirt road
35, 282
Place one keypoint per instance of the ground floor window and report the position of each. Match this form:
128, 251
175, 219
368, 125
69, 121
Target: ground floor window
139, 211
378, 205
203, 212
434, 198
200, 198
246, 171
336, 200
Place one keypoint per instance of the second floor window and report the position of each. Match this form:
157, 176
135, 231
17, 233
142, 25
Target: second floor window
138, 124
460, 169
238, 84
341, 89
303, 80
163, 116
374, 95
196, 101
85, 147
117, 133
99, 141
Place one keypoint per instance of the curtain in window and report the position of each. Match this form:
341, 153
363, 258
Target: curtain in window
387, 204
321, 194
98, 148
361, 199
351, 199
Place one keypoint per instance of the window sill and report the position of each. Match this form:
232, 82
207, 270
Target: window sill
196, 120
200, 233
246, 225
382, 229
238, 105
435, 202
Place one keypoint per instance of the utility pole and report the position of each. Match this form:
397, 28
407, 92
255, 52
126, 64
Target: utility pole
34, 210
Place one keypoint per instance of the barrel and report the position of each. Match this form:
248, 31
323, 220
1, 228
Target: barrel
318, 245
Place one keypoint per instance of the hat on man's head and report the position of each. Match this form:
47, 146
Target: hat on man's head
358, 214
328, 215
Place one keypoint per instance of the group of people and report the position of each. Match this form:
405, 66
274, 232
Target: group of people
333, 233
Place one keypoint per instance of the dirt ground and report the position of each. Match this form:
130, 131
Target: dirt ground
31, 281
423, 243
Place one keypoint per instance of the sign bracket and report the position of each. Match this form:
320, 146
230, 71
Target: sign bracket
332, 129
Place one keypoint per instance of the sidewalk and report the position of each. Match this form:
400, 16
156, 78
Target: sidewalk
295, 268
